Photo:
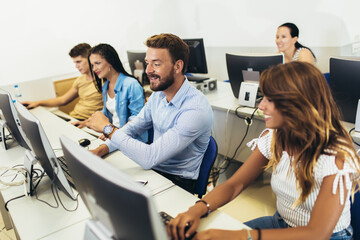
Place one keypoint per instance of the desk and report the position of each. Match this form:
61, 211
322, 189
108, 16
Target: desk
33, 219
228, 130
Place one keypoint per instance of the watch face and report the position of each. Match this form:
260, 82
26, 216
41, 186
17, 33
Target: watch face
108, 129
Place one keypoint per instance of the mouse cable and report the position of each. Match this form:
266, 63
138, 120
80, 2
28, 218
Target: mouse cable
43, 201
62, 204
12, 199
52, 191
56, 195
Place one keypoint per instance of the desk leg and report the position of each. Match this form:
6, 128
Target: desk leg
5, 214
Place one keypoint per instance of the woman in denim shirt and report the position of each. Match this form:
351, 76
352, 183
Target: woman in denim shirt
123, 95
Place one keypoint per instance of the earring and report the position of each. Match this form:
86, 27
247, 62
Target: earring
109, 69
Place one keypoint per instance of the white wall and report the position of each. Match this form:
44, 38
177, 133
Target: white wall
37, 35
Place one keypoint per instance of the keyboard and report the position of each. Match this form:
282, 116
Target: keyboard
65, 169
165, 218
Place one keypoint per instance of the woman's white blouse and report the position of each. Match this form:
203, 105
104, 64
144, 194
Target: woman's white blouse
283, 183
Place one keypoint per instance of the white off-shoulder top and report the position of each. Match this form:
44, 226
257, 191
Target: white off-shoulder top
283, 183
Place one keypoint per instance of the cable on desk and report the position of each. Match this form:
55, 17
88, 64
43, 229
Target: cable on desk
352, 137
66, 209
43, 201
56, 195
37, 178
18, 171
12, 200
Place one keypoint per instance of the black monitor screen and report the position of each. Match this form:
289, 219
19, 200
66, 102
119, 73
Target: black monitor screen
197, 59
345, 85
237, 63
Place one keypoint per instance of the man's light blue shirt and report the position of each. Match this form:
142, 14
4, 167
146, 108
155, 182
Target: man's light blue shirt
182, 128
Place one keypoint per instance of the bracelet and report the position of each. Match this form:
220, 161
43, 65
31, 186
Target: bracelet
259, 233
249, 235
207, 205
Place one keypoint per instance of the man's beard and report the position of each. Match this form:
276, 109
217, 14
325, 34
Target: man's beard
163, 83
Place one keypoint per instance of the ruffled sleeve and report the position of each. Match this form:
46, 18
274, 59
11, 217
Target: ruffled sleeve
263, 142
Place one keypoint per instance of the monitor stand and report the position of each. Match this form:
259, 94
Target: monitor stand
3, 126
29, 162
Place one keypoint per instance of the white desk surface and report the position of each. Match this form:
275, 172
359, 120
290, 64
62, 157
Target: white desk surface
32, 218
55, 127
172, 201
35, 220
223, 99
24, 210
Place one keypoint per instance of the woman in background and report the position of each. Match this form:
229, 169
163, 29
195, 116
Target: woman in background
123, 95
287, 43
315, 166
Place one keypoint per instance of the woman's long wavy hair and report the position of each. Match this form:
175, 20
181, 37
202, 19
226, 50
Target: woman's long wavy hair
110, 55
311, 121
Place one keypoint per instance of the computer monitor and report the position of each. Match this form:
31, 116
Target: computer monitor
42, 151
137, 62
197, 59
9, 113
236, 64
345, 85
121, 207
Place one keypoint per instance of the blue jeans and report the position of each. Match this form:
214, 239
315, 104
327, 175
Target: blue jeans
276, 221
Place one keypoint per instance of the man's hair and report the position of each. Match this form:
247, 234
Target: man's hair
177, 48
81, 49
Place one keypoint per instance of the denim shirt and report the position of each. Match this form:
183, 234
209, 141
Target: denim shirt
129, 100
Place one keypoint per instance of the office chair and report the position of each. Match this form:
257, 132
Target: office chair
355, 216
205, 168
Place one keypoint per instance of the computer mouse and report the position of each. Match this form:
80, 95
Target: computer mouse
84, 142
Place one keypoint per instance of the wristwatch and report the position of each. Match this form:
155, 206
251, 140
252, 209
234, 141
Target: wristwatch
108, 129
